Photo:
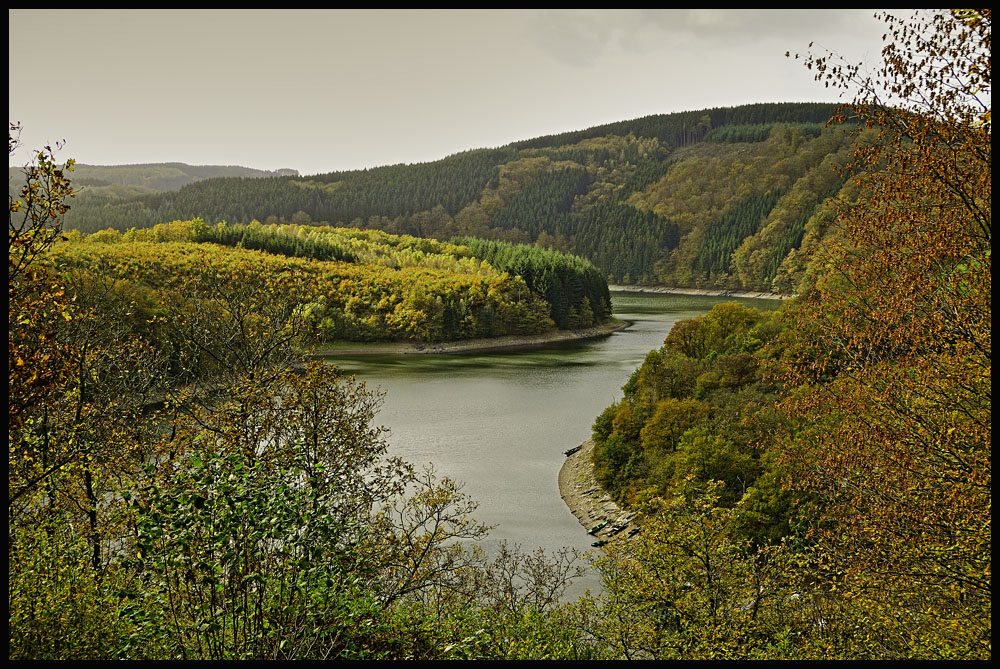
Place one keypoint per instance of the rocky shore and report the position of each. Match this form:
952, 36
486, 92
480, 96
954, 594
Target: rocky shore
591, 505
468, 345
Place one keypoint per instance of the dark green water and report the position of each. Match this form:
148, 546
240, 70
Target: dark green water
500, 422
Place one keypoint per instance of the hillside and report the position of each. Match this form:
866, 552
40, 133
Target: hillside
719, 198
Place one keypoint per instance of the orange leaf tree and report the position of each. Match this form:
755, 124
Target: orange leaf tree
894, 345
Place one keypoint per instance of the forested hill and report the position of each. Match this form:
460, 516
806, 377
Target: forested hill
341, 284
720, 198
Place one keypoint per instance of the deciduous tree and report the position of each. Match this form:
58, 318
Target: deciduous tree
895, 342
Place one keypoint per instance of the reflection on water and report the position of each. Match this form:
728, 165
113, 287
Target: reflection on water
499, 422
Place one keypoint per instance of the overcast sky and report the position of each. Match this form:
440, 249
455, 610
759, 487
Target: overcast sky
327, 90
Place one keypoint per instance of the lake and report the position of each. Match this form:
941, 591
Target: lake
500, 422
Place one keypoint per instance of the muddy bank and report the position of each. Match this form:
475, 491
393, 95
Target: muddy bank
466, 345
588, 501
702, 292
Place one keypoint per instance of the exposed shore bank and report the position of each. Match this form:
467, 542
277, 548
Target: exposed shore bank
702, 292
468, 345
588, 501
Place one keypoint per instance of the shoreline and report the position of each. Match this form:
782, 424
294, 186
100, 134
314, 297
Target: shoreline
703, 292
589, 502
507, 342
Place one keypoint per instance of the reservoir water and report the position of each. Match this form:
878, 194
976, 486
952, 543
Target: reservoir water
500, 422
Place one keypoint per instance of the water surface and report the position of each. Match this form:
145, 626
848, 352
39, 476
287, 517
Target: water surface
500, 422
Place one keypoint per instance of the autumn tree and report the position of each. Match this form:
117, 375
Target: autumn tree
35, 217
38, 305
684, 588
56, 607
893, 343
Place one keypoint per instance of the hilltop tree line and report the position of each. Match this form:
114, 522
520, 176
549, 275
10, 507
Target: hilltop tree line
684, 128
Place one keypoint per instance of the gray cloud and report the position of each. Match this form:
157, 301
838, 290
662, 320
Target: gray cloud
579, 38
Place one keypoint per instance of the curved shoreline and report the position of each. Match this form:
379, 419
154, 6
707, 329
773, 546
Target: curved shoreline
466, 345
760, 295
588, 501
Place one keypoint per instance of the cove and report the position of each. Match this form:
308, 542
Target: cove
500, 422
